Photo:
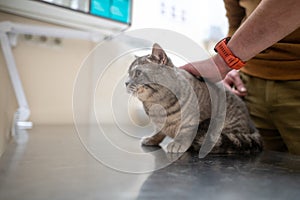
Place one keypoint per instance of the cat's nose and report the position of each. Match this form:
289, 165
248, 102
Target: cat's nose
126, 83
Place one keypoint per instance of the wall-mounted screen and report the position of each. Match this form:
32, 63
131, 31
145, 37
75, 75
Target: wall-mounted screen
117, 10
104, 16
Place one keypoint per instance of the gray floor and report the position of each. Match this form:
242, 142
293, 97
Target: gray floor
51, 162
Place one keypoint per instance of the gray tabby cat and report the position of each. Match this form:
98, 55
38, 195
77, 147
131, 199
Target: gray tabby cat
159, 85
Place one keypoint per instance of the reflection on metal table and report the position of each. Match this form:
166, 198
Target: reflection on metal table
51, 163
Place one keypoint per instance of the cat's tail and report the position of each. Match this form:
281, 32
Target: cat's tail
256, 142
231, 142
256, 138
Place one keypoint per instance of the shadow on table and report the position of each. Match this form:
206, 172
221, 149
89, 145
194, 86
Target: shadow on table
269, 175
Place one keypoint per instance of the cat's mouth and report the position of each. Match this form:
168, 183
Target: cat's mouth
135, 90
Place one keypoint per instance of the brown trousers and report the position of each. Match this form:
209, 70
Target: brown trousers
275, 109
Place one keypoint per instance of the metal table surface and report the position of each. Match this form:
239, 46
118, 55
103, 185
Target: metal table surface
53, 164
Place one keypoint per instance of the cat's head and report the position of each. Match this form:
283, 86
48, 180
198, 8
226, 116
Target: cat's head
145, 70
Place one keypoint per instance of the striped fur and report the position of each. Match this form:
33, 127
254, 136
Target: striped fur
155, 81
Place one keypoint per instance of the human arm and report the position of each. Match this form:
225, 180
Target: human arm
271, 21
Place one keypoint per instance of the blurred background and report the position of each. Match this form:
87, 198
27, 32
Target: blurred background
48, 65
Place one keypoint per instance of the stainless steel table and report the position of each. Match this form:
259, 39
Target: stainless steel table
51, 163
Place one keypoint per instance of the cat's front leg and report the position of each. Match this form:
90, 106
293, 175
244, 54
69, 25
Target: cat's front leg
183, 140
176, 147
153, 140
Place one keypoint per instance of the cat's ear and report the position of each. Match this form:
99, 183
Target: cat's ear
159, 55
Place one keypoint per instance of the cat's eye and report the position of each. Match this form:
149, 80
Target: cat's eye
137, 73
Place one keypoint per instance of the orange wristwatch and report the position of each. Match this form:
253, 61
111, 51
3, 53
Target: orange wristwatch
231, 60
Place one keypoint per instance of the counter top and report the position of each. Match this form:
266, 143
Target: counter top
50, 162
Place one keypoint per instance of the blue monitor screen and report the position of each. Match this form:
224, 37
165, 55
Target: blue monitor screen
118, 10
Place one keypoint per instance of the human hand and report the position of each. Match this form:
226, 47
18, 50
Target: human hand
234, 83
214, 69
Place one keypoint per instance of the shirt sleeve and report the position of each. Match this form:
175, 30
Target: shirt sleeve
235, 15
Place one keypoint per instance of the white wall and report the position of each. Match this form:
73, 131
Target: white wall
193, 18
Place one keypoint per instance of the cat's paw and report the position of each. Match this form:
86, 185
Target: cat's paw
176, 147
149, 141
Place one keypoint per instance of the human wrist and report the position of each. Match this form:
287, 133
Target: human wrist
236, 49
227, 55
221, 65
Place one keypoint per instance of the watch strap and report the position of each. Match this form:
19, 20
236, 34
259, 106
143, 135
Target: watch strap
231, 60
